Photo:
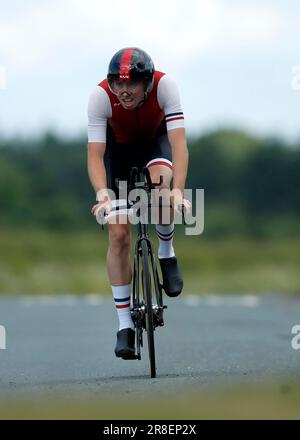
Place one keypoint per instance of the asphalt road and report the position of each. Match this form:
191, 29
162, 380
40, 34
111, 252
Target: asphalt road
65, 344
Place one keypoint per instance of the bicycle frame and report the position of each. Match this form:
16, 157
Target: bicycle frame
142, 228
145, 316
139, 309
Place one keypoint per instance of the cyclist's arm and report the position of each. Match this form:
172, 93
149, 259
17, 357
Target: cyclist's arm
96, 168
180, 157
169, 100
99, 110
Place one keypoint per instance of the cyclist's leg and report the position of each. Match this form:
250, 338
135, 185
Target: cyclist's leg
118, 254
161, 165
119, 271
164, 215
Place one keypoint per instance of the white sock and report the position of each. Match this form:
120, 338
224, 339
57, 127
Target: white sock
165, 234
121, 296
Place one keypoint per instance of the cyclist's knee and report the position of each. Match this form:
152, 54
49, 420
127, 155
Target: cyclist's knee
166, 173
161, 197
119, 238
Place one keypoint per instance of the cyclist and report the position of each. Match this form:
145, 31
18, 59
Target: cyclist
135, 119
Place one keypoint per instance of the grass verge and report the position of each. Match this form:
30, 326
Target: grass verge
39, 262
278, 399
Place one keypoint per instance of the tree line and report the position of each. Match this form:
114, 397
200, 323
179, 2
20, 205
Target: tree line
251, 184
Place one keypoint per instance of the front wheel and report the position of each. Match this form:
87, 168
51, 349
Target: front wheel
147, 295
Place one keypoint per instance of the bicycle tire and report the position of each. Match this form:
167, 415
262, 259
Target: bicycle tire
137, 304
147, 295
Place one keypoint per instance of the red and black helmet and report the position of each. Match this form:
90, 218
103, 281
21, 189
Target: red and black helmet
131, 64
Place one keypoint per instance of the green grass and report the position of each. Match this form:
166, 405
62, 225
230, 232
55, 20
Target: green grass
39, 262
278, 399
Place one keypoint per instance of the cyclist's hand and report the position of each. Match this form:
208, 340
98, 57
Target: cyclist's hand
104, 203
179, 202
106, 206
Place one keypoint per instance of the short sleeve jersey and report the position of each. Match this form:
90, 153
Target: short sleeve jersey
162, 103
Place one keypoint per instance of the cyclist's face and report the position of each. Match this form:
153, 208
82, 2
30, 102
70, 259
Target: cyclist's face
130, 94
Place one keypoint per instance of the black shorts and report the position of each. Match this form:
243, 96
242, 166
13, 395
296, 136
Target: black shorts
120, 157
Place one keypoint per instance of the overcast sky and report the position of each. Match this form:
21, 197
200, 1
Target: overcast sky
232, 60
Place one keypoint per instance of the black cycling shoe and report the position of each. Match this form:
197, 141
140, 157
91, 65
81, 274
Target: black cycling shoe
172, 278
125, 344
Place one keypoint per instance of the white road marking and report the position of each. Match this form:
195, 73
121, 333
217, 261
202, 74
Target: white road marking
192, 300
91, 299
94, 299
222, 300
31, 300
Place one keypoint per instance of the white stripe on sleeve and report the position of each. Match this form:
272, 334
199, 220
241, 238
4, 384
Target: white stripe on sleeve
169, 101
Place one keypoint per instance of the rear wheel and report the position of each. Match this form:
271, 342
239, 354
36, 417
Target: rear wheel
147, 295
